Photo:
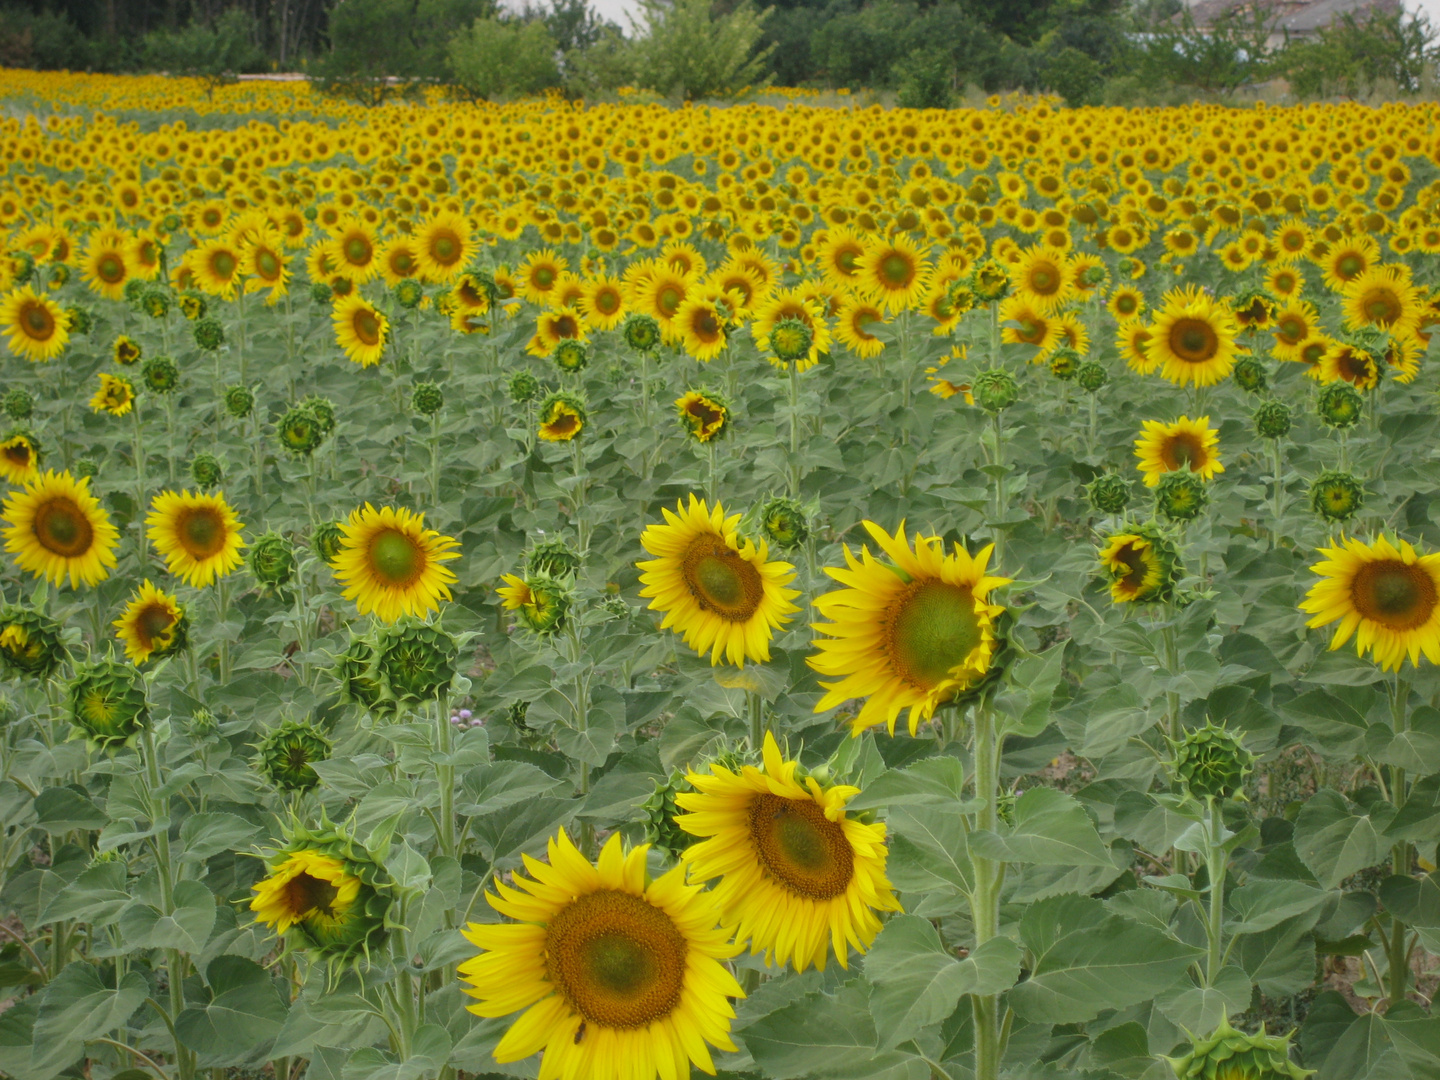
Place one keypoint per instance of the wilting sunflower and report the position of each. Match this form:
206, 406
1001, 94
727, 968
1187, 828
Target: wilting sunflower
35, 326
57, 529
325, 892
19, 458
851, 328
704, 414
1141, 565
152, 624
116, 395
1350, 363
894, 271
198, 534
1192, 337
716, 589
553, 327
798, 876
1384, 595
562, 417
360, 329
1185, 444
444, 246
619, 979
391, 565
910, 634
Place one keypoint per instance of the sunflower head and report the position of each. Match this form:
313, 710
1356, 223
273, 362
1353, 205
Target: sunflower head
116, 395
1254, 310
784, 523
562, 416
427, 399
1181, 495
1227, 1054
160, 375
30, 643
409, 293
1272, 419
995, 389
359, 680
1109, 493
554, 558
1339, 405
1064, 363
107, 703
641, 332
153, 625
79, 320
659, 809
791, 340
21, 455
541, 603
325, 540
198, 534
18, 404
239, 401
300, 431
1142, 564
209, 333
286, 753
390, 564
1211, 762
1249, 374
1092, 376
704, 414
206, 471
126, 351
155, 302
323, 410
990, 282
415, 660
1336, 496
272, 560
571, 356
523, 387
193, 306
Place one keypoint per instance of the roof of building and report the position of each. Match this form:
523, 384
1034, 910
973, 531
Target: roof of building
1294, 16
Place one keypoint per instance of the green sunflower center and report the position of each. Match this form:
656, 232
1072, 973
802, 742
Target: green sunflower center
1194, 340
268, 265
224, 265
1398, 595
110, 269
1044, 280
800, 847
201, 533
445, 247
933, 630
395, 558
37, 322
607, 301
357, 251
617, 960
1349, 266
61, 527
721, 581
1381, 306
367, 327
896, 271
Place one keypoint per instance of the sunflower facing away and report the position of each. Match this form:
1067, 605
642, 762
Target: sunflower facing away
1185, 444
716, 589
56, 529
1193, 338
619, 979
152, 624
1140, 564
1386, 596
198, 534
391, 565
909, 634
34, 325
798, 877
360, 330
19, 458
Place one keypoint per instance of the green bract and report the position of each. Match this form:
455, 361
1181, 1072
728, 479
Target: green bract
107, 703
1211, 762
1228, 1054
29, 643
286, 753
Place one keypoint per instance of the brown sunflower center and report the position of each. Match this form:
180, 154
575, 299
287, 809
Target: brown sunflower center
366, 326
607, 301
1194, 340
110, 269
800, 847
268, 265
62, 527
395, 558
566, 326
1354, 366
1132, 558
544, 277
1291, 329
896, 271
445, 248
1397, 595
847, 260
617, 960
304, 894
201, 532
1349, 266
1183, 451
705, 326
721, 581
1126, 305
37, 322
18, 453
932, 630
1031, 329
1381, 305
1044, 280
153, 622
705, 414
357, 251
563, 422
223, 265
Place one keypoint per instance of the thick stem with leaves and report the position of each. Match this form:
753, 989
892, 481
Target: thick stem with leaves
1399, 953
1216, 862
445, 775
985, 899
794, 429
159, 806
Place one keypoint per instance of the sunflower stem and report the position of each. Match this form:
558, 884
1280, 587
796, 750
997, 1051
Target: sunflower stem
1278, 495
159, 806
794, 429
1399, 957
1216, 865
582, 527
222, 594
139, 454
445, 775
435, 460
985, 898
710, 474
755, 706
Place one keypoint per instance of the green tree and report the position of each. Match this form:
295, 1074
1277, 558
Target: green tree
503, 58
689, 51
1351, 57
379, 48
926, 80
215, 53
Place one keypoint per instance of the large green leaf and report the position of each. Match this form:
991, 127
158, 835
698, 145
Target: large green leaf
187, 927
239, 1023
937, 781
929, 852
828, 1038
1049, 827
1260, 904
1336, 837
98, 896
78, 1005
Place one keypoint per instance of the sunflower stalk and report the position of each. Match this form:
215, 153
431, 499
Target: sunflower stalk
1216, 861
434, 441
794, 367
140, 485
1278, 494
985, 898
1398, 953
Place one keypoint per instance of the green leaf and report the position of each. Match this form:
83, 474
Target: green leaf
97, 896
827, 1038
1199, 1008
1280, 960
1261, 904
1088, 960
1024, 705
241, 1020
61, 809
929, 851
502, 836
1416, 749
77, 1005
205, 835
918, 982
1050, 827
187, 928
498, 786
1335, 726
1334, 837
936, 781
408, 867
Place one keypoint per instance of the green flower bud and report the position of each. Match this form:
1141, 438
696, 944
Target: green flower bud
1339, 405
323, 409
206, 471
59, 275
160, 374
272, 560
107, 702
515, 714
1249, 374
791, 340
428, 399
80, 319
239, 400
523, 387
995, 389
193, 306
1109, 493
171, 223
209, 334
571, 356
321, 293
541, 604
784, 523
325, 541
1336, 496
1211, 762
1064, 363
1091, 376
134, 289
409, 293
553, 558
86, 467
1232, 1055
1181, 495
285, 755
359, 681
299, 431
415, 660
155, 302
19, 405
660, 810
990, 281
29, 643
1272, 419
641, 332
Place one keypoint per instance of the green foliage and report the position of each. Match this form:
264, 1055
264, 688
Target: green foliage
1352, 56
690, 52
503, 58
215, 53
924, 81
41, 39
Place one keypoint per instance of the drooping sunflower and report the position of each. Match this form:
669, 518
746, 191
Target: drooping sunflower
1383, 594
704, 414
57, 529
1141, 565
35, 325
716, 589
197, 533
360, 329
326, 893
152, 624
391, 565
562, 417
851, 324
910, 634
894, 272
1385, 298
444, 246
797, 876
19, 458
1192, 337
553, 327
1185, 444
116, 395
1348, 362
620, 979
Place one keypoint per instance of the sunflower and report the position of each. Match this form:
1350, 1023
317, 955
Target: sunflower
307, 889
360, 329
391, 565
788, 304
216, 264
1042, 276
1294, 323
839, 256
1348, 261
539, 273
911, 634
262, 260
1125, 303
1384, 595
798, 876
198, 535
1185, 444
35, 326
1192, 337
705, 416
620, 979
895, 272
57, 529
701, 326
1383, 297
20, 458
1133, 340
1284, 281
716, 589
106, 268
1024, 323
1141, 566
116, 395
850, 328
153, 624
444, 246
562, 417
358, 249
602, 302
1354, 365
660, 292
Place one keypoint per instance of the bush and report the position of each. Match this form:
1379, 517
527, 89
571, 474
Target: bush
605, 65
379, 48
1232, 52
690, 53
46, 40
926, 80
1074, 76
497, 58
1351, 57
214, 53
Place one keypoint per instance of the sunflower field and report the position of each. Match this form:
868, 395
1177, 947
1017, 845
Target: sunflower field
600, 592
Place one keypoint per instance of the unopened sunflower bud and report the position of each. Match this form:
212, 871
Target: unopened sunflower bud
1272, 419
1336, 496
107, 702
784, 523
1181, 495
1109, 493
285, 755
1228, 1054
1211, 762
1339, 405
427, 399
995, 389
415, 660
272, 560
1249, 374
1091, 376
